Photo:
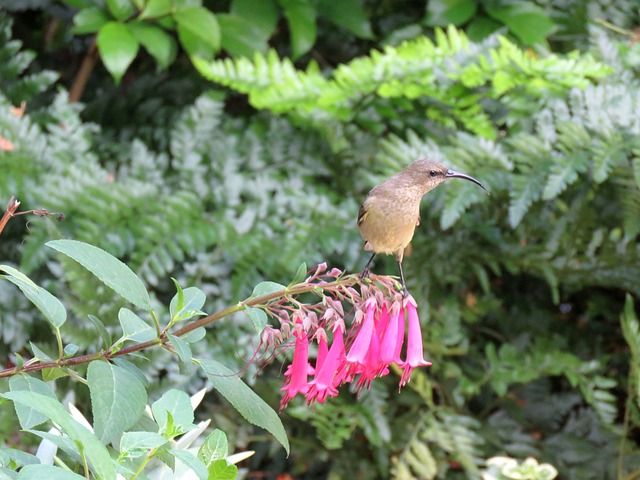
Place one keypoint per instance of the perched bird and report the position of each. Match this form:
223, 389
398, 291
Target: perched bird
391, 211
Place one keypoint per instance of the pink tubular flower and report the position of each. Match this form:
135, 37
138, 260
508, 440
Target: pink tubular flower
329, 374
296, 374
414, 342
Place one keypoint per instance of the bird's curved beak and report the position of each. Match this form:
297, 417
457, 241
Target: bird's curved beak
454, 174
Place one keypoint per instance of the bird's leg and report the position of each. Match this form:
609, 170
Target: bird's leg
367, 268
405, 292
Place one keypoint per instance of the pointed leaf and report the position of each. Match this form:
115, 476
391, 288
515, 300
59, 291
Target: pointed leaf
118, 399
102, 331
198, 31
191, 461
263, 15
300, 275
245, 400
181, 347
96, 453
156, 8
301, 16
178, 405
193, 300
52, 308
117, 47
89, 20
264, 288
109, 270
134, 328
29, 417
136, 444
258, 317
348, 14
39, 472
160, 45
120, 9
215, 447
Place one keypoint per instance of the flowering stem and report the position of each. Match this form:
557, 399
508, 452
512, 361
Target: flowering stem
108, 353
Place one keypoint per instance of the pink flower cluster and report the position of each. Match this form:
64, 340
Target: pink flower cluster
374, 342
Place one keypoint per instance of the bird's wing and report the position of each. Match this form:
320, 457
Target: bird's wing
362, 214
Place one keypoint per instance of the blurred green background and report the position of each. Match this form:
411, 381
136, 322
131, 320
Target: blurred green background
239, 170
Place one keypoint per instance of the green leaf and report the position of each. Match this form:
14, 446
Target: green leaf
525, 20
70, 350
156, 8
134, 328
198, 31
52, 308
192, 301
251, 406
240, 37
118, 399
102, 331
221, 470
262, 15
117, 47
89, 20
301, 16
441, 13
300, 275
348, 14
39, 472
38, 354
109, 270
214, 447
96, 453
181, 347
63, 443
191, 461
265, 288
160, 45
194, 335
50, 374
258, 317
28, 417
137, 444
481, 27
177, 404
121, 9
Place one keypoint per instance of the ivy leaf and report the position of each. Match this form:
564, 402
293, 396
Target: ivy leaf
109, 270
245, 400
301, 16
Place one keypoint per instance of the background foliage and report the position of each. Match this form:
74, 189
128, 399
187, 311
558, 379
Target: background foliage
229, 152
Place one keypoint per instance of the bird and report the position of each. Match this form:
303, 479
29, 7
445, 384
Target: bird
390, 212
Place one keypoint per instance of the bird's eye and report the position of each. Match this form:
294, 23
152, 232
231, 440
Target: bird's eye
433, 173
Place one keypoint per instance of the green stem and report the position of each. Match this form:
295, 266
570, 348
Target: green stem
59, 340
297, 289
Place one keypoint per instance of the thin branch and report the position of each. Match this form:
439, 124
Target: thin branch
82, 77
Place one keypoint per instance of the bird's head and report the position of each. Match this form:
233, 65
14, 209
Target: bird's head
430, 174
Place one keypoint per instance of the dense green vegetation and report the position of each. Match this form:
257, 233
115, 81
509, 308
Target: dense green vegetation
224, 143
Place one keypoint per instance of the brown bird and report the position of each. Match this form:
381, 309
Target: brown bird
391, 211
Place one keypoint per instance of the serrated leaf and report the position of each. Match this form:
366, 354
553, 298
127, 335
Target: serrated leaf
191, 461
251, 406
136, 444
177, 404
181, 347
258, 317
95, 452
118, 399
52, 308
109, 270
40, 472
264, 288
29, 417
221, 470
134, 328
214, 447
160, 45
